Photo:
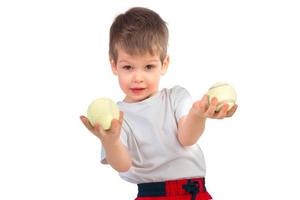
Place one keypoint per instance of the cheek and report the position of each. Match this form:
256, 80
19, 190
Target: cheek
123, 81
154, 80
157, 76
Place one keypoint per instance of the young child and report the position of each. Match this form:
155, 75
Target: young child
154, 143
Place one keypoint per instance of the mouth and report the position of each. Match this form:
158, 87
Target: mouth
137, 90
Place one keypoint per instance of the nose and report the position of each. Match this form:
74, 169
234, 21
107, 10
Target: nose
138, 76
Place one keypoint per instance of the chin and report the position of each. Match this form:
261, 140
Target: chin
137, 99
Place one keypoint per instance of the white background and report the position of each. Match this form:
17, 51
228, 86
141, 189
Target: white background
54, 62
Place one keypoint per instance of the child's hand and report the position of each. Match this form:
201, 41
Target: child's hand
109, 136
204, 110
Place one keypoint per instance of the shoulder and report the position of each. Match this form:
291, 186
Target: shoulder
178, 91
174, 90
178, 95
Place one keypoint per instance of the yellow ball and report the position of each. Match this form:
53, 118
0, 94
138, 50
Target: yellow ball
224, 92
102, 111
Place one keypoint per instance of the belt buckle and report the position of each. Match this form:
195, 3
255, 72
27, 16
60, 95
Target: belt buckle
192, 187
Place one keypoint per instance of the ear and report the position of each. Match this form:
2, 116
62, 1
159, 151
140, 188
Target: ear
165, 65
113, 66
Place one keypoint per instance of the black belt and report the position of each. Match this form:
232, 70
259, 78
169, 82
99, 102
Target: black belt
155, 189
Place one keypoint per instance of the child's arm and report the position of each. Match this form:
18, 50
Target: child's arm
191, 126
116, 153
117, 156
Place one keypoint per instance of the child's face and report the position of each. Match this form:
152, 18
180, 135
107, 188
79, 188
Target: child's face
138, 75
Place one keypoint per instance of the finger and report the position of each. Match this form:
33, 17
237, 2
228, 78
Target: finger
86, 122
212, 107
232, 110
223, 112
99, 131
205, 102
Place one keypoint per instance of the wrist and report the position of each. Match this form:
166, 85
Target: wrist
111, 144
197, 114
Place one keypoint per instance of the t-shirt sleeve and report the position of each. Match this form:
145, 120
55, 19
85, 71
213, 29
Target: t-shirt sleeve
123, 138
182, 101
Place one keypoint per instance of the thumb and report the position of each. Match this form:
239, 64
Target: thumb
114, 123
121, 117
203, 103
114, 126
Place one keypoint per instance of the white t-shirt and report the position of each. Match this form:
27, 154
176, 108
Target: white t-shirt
149, 132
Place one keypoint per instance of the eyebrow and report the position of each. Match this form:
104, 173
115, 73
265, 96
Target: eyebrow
152, 60
123, 61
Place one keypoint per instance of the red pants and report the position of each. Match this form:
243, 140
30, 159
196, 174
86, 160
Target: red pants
184, 189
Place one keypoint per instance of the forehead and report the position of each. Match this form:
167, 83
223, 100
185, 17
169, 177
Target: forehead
125, 56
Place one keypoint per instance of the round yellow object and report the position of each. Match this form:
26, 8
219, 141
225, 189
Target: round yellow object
224, 92
103, 111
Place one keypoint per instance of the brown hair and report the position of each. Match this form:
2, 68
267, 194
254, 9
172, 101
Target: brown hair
139, 31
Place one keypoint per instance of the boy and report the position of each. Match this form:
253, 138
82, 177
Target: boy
154, 144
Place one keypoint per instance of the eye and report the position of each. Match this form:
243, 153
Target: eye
149, 67
127, 67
